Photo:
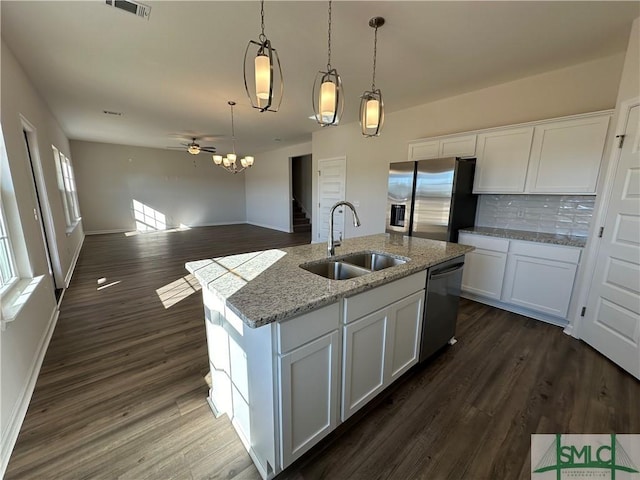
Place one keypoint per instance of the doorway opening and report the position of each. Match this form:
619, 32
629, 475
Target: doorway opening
42, 211
302, 193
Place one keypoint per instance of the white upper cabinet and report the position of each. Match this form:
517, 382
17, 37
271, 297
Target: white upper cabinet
462, 146
566, 156
424, 150
457, 146
556, 156
502, 160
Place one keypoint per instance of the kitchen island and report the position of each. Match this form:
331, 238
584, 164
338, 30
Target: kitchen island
293, 354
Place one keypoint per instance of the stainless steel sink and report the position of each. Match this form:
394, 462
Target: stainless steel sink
335, 270
373, 261
351, 266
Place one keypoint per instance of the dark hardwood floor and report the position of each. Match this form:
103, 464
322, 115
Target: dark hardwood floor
122, 389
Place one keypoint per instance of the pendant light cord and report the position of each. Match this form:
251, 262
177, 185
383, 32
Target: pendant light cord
262, 36
233, 130
375, 54
329, 41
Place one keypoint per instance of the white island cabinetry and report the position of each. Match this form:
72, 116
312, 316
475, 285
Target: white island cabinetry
293, 353
382, 344
308, 374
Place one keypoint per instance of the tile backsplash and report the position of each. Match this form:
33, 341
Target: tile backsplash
559, 214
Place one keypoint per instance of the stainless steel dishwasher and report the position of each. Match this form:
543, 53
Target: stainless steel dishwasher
441, 306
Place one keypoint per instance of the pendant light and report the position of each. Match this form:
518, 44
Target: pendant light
371, 104
229, 162
264, 84
327, 96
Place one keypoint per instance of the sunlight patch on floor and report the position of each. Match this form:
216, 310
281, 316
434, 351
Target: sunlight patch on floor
176, 291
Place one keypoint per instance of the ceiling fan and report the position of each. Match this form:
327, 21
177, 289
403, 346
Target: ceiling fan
193, 147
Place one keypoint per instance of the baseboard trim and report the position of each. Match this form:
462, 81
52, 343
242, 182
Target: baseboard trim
128, 230
558, 322
74, 261
270, 227
105, 232
10, 436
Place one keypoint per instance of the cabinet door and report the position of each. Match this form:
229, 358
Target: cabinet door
365, 346
424, 150
484, 272
463, 146
308, 395
405, 328
502, 160
566, 156
539, 284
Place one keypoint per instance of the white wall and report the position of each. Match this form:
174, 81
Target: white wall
110, 177
268, 186
576, 89
630, 81
24, 341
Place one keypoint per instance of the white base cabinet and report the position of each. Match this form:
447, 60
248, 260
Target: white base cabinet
284, 385
378, 349
528, 278
484, 267
381, 339
540, 277
309, 385
365, 345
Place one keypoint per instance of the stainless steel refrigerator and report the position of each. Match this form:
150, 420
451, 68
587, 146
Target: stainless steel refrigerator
431, 198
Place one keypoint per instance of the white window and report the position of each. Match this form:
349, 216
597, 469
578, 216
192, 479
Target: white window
67, 187
8, 274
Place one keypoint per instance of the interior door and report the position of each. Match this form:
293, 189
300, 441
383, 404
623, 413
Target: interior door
331, 189
612, 319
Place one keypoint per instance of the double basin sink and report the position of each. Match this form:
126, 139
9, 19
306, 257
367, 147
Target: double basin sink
353, 265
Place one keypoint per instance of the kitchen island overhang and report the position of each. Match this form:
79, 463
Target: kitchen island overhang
283, 342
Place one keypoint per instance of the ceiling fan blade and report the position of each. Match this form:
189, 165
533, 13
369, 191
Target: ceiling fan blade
208, 149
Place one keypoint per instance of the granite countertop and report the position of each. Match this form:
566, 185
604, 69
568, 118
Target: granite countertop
567, 240
266, 286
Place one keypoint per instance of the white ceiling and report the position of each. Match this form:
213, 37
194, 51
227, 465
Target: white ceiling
176, 71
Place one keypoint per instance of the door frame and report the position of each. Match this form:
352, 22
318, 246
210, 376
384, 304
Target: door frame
315, 222
603, 199
41, 196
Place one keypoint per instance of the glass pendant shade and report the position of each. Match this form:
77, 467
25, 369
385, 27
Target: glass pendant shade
263, 75
249, 159
328, 99
217, 159
371, 104
371, 113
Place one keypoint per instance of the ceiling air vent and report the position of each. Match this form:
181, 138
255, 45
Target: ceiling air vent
142, 11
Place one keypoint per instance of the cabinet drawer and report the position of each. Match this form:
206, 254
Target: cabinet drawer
379, 297
486, 243
299, 330
549, 252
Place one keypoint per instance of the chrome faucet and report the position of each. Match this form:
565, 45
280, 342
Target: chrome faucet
331, 244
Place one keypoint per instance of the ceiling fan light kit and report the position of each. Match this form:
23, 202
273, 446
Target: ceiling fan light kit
371, 104
327, 96
229, 162
263, 75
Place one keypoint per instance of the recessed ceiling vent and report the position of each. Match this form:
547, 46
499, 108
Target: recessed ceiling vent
142, 11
